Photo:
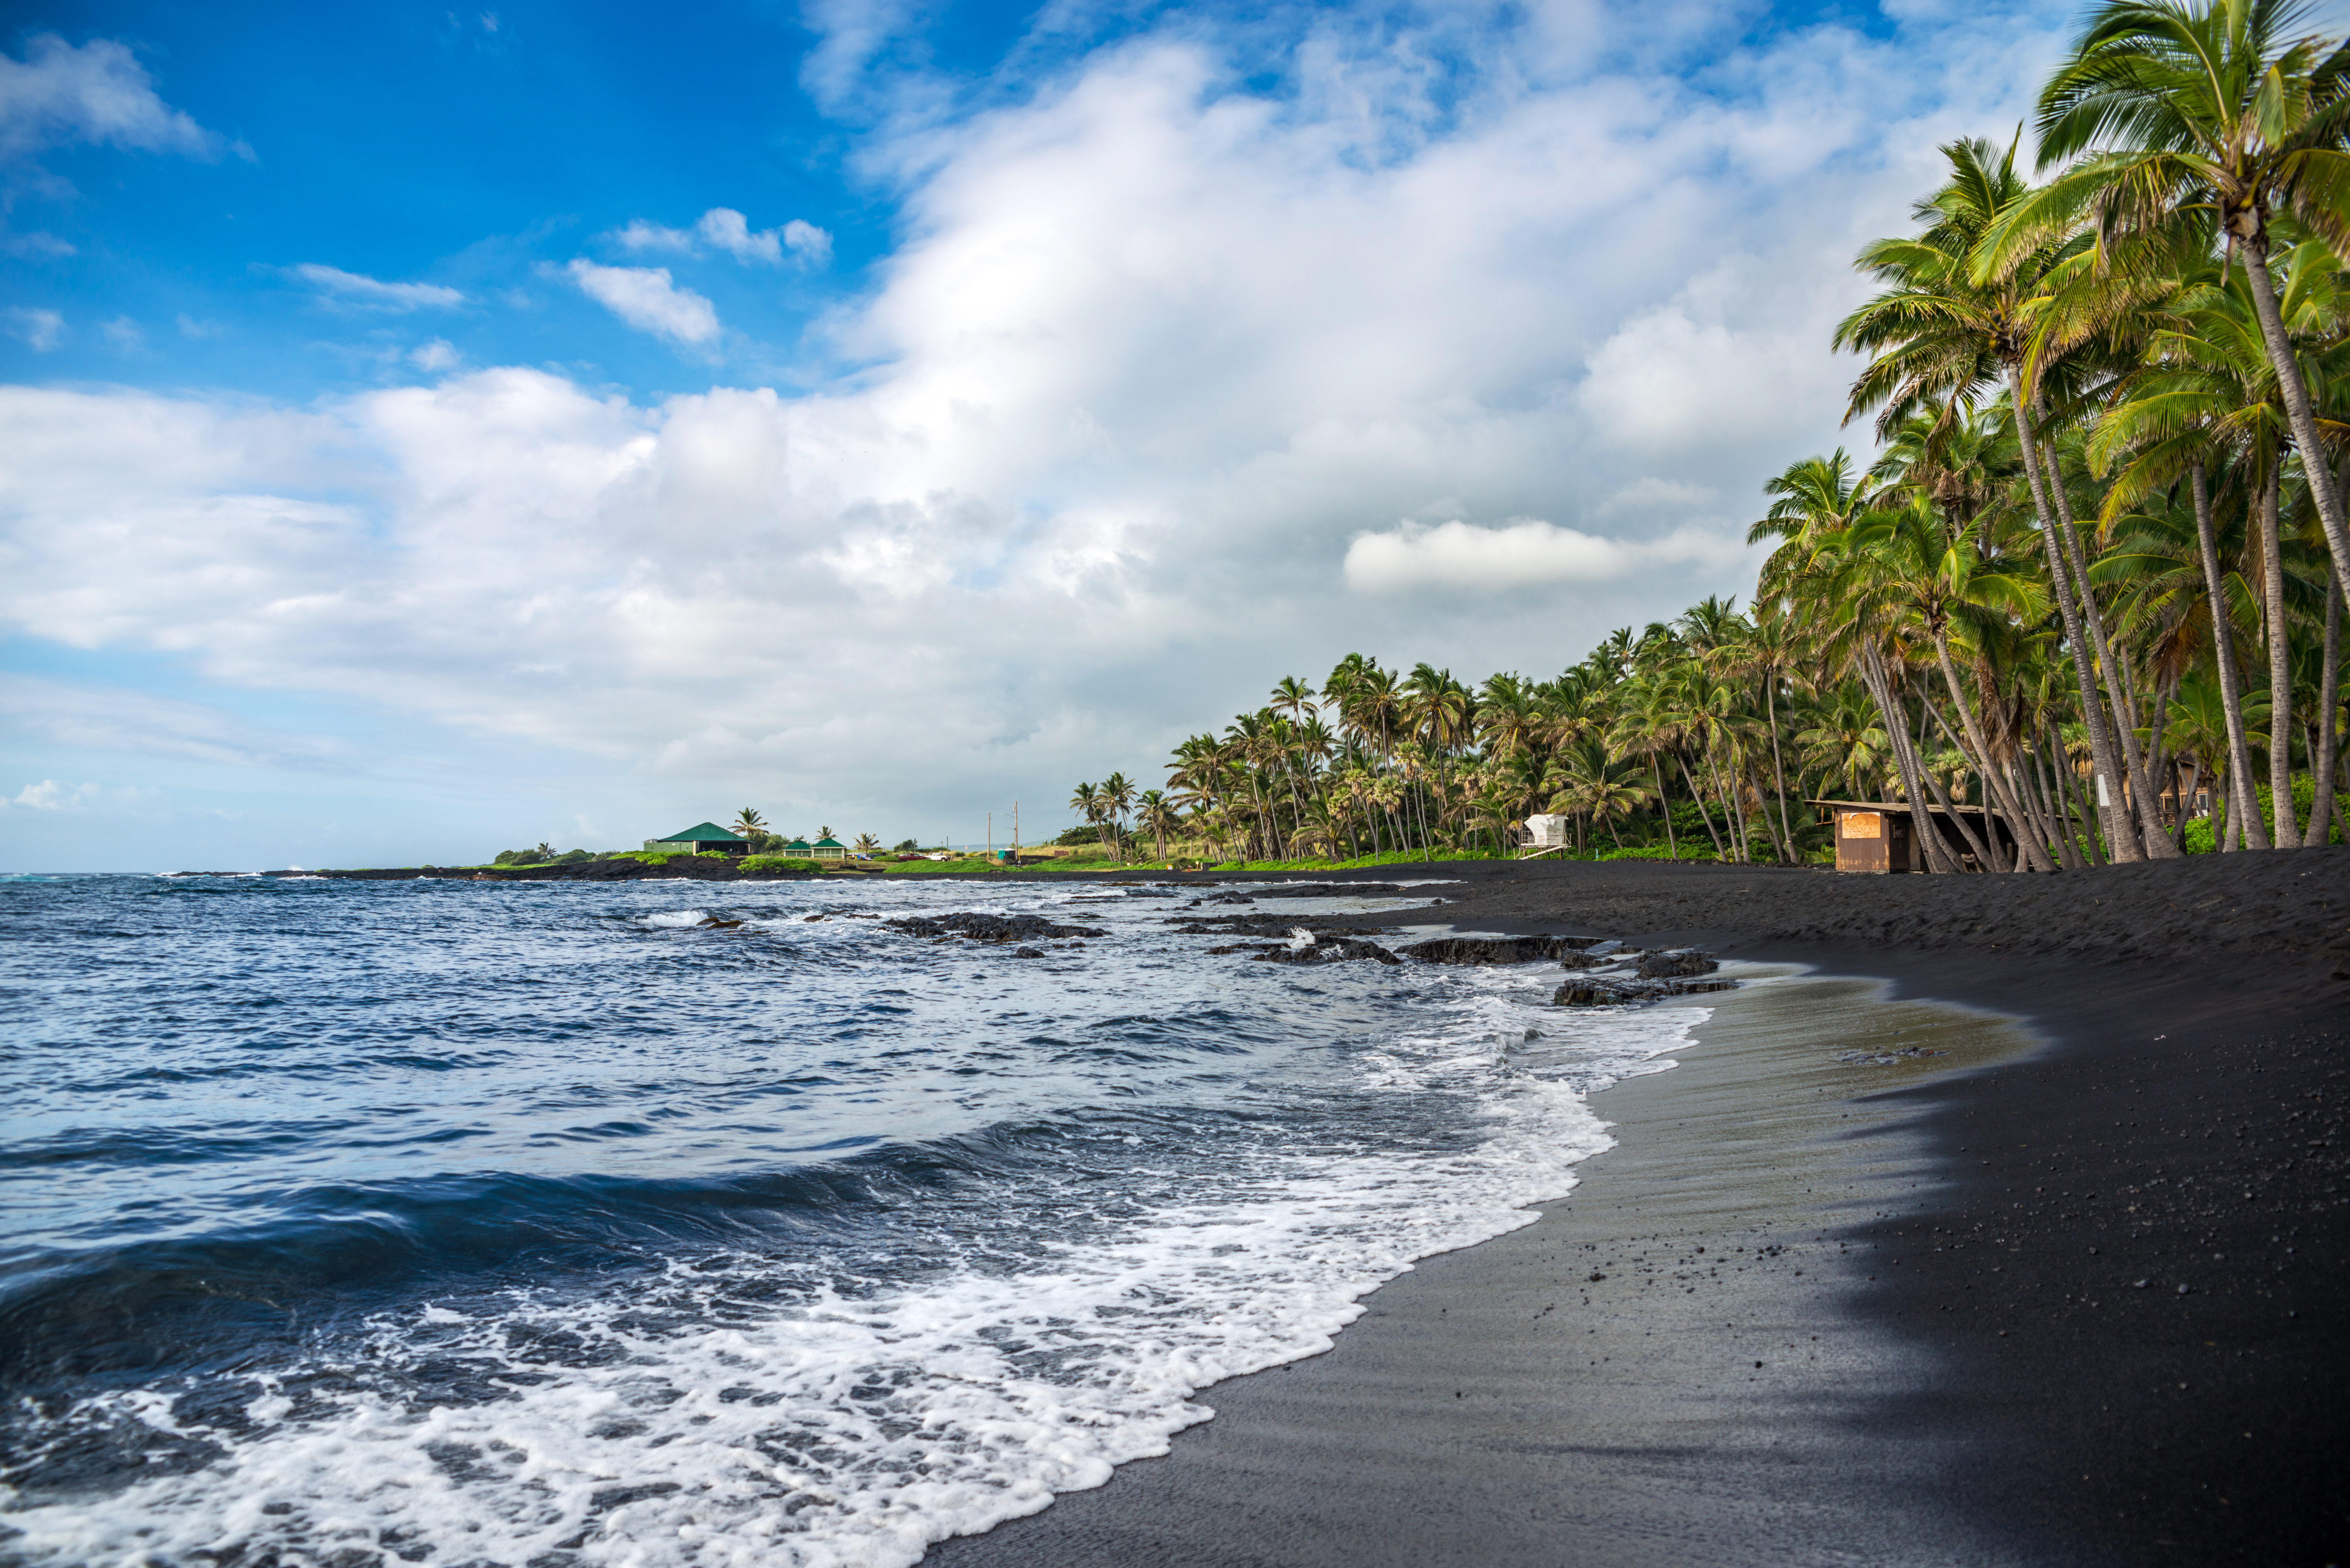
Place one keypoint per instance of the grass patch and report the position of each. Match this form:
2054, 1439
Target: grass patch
784, 863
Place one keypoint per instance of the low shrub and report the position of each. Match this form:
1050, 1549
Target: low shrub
2201, 837
784, 863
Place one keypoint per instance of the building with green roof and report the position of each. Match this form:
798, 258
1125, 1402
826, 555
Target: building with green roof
827, 849
701, 836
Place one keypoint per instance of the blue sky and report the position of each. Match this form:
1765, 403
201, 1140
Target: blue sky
424, 431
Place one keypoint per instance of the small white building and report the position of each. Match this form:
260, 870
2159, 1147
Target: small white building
1547, 832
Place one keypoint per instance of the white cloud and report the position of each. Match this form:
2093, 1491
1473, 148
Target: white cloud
641, 235
810, 244
725, 229
645, 298
124, 334
436, 355
1152, 354
731, 233
355, 291
99, 92
1527, 554
112, 717
41, 330
37, 243
191, 329
50, 795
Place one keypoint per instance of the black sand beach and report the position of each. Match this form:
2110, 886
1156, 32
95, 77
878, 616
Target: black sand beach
2082, 1303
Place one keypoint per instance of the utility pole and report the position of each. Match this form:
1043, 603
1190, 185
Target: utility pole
1015, 832
991, 836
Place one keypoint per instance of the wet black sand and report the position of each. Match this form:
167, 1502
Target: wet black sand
2003, 1393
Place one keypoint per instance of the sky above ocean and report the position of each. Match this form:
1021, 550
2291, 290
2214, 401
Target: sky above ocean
428, 431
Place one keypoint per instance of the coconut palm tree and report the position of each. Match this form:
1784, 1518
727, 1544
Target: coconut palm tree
749, 823
1086, 800
1116, 797
1847, 741
1941, 338
2220, 114
867, 845
1156, 813
1942, 578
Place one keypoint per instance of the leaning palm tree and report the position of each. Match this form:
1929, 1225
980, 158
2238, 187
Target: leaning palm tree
1942, 578
1940, 336
2224, 113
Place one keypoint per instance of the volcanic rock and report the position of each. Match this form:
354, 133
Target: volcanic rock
1496, 949
980, 928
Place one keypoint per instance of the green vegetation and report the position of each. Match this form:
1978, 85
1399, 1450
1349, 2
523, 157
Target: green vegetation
2094, 569
783, 863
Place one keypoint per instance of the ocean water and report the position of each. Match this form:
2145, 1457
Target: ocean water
450, 1223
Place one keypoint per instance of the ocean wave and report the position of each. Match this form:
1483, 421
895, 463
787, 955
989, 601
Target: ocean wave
696, 1418
568, 1246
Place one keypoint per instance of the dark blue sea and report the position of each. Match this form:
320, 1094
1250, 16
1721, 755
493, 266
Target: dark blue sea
454, 1223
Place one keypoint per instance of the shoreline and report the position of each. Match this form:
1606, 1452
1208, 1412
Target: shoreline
1659, 1365
2193, 1078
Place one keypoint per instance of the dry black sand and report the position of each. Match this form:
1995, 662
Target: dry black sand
2007, 1392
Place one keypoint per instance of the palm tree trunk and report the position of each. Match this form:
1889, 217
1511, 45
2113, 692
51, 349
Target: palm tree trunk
1778, 767
2143, 802
1664, 807
2329, 698
1729, 818
2299, 414
2187, 788
2029, 852
1897, 731
1771, 827
2093, 711
2069, 787
2223, 651
2059, 806
1703, 815
2036, 783
2285, 831
1985, 858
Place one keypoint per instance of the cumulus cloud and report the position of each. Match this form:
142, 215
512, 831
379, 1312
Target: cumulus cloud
1528, 555
50, 795
723, 228
439, 354
60, 93
1171, 387
41, 331
645, 298
355, 291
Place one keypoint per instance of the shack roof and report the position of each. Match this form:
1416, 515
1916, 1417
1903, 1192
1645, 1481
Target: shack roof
702, 832
828, 844
1897, 808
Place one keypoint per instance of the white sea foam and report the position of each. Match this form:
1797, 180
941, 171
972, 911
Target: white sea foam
855, 1427
674, 918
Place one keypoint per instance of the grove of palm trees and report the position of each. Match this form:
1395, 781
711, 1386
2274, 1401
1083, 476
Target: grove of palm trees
2090, 581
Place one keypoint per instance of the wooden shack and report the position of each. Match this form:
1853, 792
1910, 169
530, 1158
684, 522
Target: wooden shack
1881, 835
